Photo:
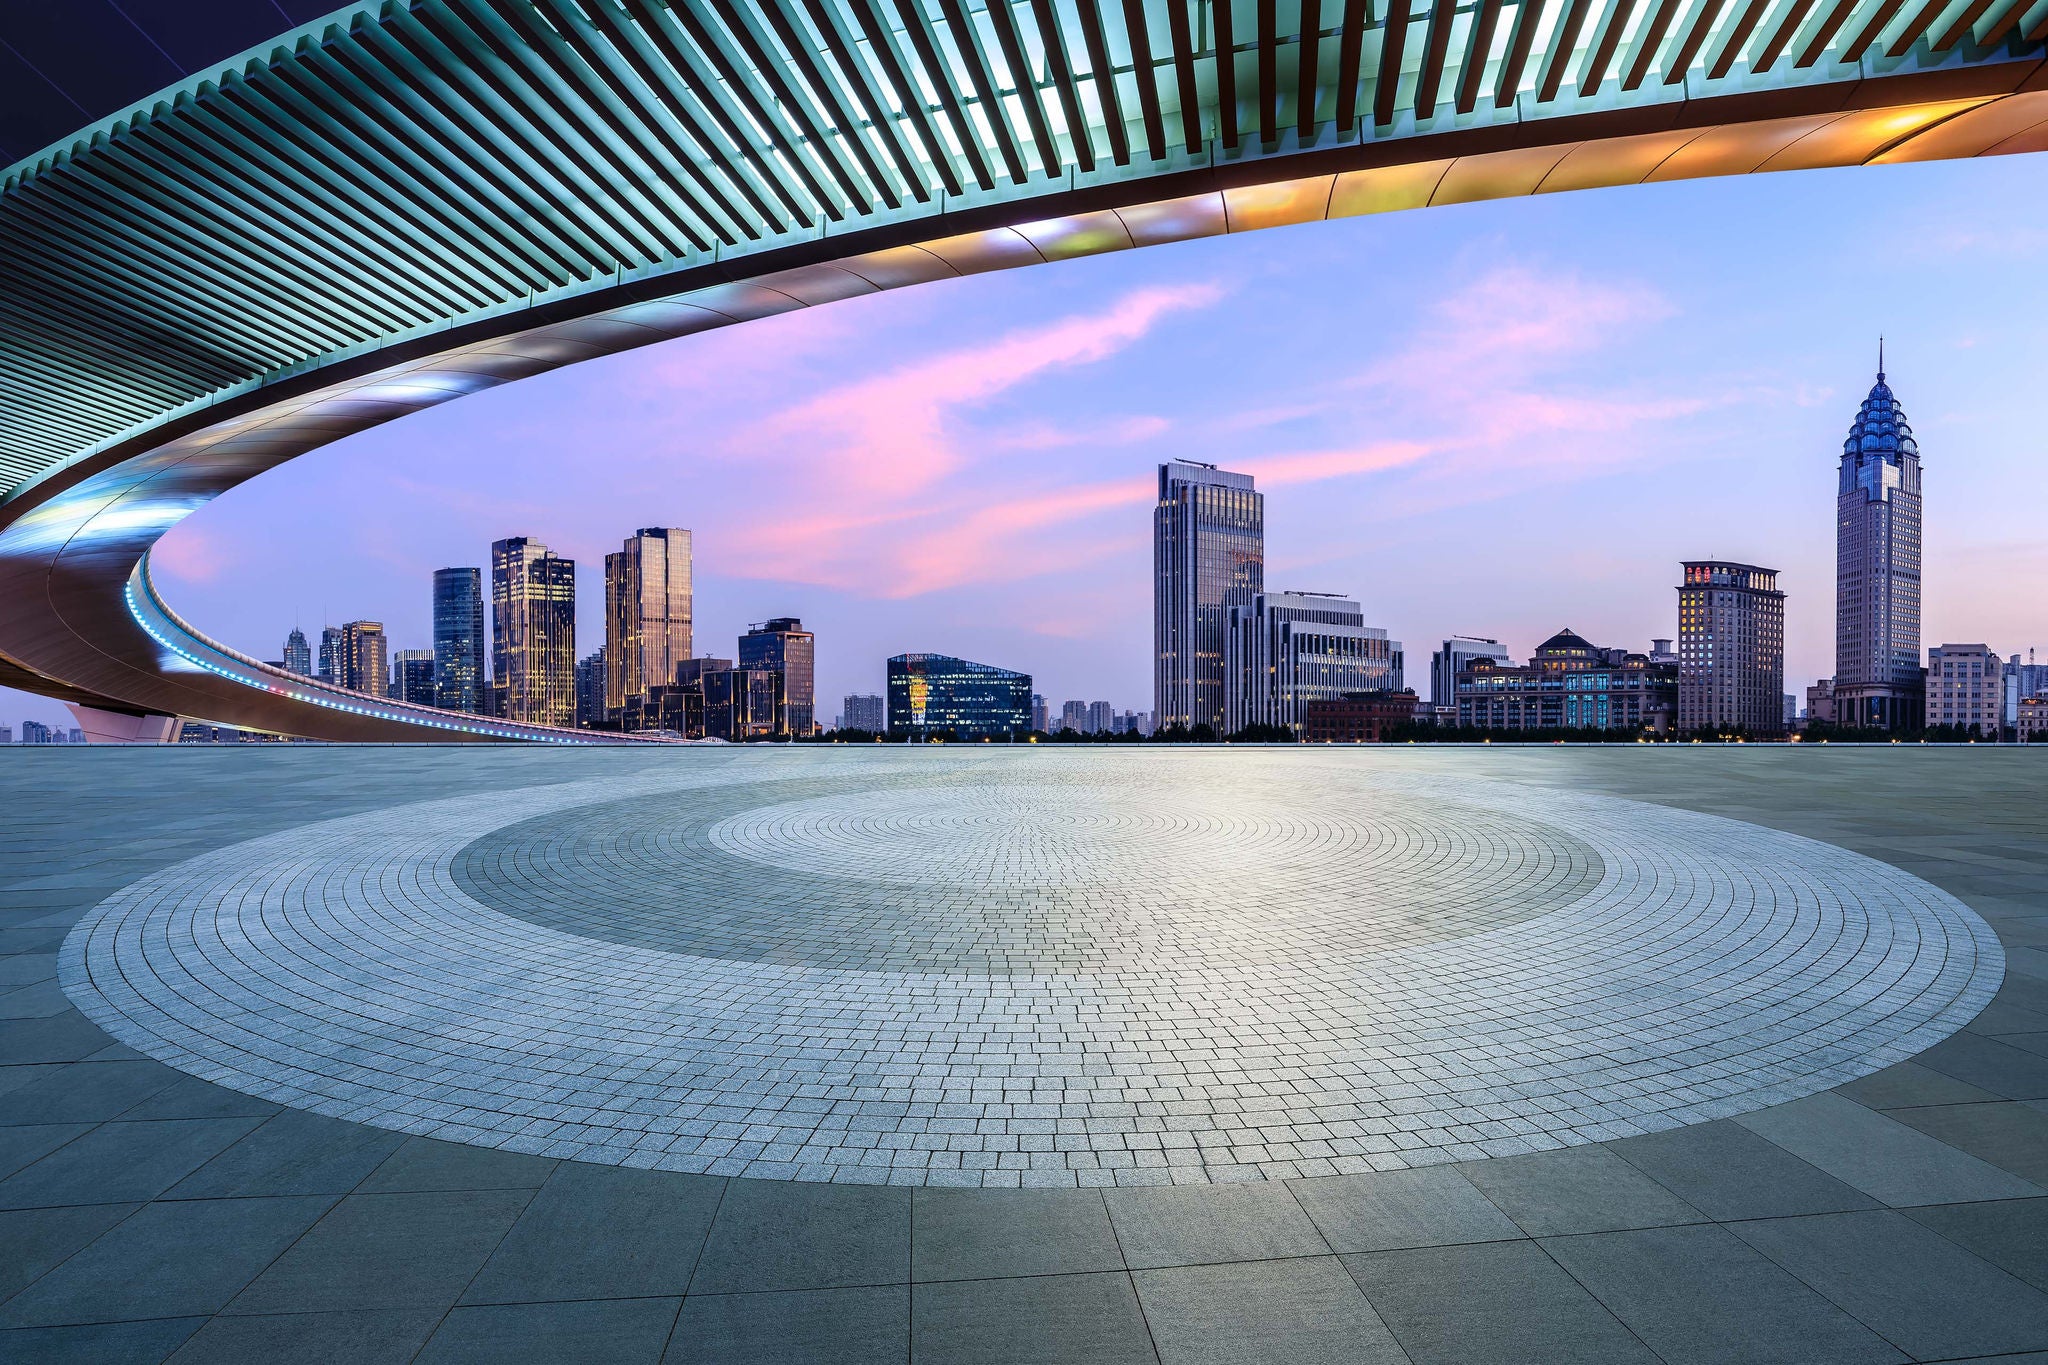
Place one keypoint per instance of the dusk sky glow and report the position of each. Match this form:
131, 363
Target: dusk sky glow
1497, 419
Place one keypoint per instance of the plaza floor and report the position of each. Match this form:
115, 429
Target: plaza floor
1685, 1054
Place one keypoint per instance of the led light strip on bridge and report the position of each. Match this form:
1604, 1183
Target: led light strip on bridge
410, 201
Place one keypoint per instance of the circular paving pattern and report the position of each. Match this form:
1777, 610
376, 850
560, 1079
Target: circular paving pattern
1044, 968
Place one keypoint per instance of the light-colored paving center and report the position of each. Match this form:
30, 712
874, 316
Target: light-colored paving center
1031, 968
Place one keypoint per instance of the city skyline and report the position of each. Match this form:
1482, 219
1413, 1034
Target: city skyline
1652, 387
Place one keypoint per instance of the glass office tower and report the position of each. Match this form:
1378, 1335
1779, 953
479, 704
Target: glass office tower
412, 676
782, 645
937, 693
361, 663
459, 640
1208, 554
647, 610
1877, 568
298, 655
533, 611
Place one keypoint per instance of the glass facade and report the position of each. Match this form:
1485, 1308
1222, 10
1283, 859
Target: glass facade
648, 608
1208, 555
1877, 567
1283, 650
533, 607
360, 663
782, 645
298, 655
459, 640
412, 676
936, 693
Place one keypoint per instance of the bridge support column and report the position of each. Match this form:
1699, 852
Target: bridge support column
117, 727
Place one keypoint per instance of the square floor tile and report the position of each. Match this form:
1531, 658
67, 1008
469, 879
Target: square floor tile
168, 1260
34, 1240
1701, 1296
2012, 1137
1305, 1311
603, 1332
1918, 1290
120, 1163
100, 1343
2011, 1234
988, 1234
428, 1164
90, 1092
1726, 1171
602, 1232
292, 1153
1494, 1303
359, 1337
1197, 1224
387, 1251
1908, 1084
2009, 1072
790, 1235
1881, 1156
1577, 1189
1425, 1207
1044, 1320
794, 1327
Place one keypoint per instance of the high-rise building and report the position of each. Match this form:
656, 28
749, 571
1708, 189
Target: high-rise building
533, 617
1966, 688
1039, 717
1283, 650
34, 732
1208, 554
1454, 658
743, 703
460, 683
360, 666
590, 689
1877, 568
1101, 718
1731, 648
298, 655
782, 645
1074, 716
330, 655
936, 692
2021, 681
412, 676
647, 612
865, 711
6, 734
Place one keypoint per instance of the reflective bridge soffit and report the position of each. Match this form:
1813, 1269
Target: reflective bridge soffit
411, 201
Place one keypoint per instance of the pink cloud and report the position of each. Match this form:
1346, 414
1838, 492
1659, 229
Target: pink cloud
191, 554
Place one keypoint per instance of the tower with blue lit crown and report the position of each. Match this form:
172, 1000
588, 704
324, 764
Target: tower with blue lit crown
1878, 682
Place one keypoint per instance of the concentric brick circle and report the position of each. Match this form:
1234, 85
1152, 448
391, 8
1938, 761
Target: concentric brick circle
1031, 968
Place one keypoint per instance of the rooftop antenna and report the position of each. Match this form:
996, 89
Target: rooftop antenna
1880, 358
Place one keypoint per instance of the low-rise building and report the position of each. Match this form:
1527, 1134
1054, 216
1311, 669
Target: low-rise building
2031, 722
1570, 683
1282, 650
1358, 717
939, 694
1965, 689
1820, 702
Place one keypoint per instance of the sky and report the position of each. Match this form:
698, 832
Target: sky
1498, 419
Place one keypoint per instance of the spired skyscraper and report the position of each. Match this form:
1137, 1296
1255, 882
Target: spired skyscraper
1877, 568
298, 656
459, 640
647, 610
533, 613
1208, 555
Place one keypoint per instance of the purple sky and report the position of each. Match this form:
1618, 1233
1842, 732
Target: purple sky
1494, 419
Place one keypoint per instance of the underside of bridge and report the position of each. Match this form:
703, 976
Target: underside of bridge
410, 201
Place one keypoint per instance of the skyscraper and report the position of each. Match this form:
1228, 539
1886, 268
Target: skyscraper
330, 654
533, 616
459, 640
1731, 648
1038, 712
359, 665
647, 609
1282, 650
1877, 568
412, 676
590, 690
782, 645
298, 655
1208, 554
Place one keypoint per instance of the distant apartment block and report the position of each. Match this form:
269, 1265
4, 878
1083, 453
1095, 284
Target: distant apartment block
1731, 648
1966, 688
865, 711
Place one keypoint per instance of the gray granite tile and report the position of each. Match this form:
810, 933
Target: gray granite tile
1387, 1210
1577, 1189
1195, 1225
387, 1251
1915, 1288
2012, 1137
1305, 1311
1727, 1172
986, 1234
192, 1098
597, 1332
2008, 1072
772, 1235
68, 1037
33, 1241
2011, 1234
29, 1143
171, 1259
44, 1000
425, 1164
1907, 1084
99, 1343
602, 1232
794, 1327
361, 1337
1884, 1158
121, 1162
1043, 1320
292, 1153
1701, 1296
1493, 1303
90, 1093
